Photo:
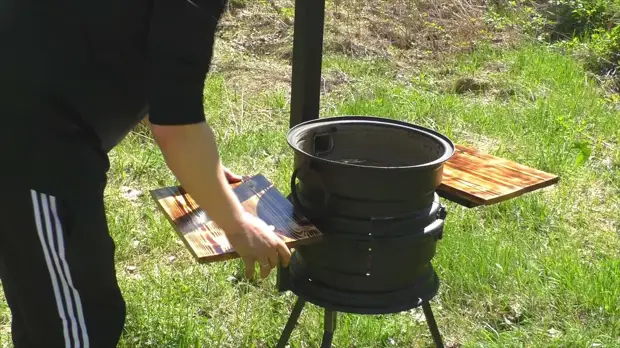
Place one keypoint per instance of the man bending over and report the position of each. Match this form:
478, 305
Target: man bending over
75, 77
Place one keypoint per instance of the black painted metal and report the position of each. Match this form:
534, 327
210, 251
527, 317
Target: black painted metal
378, 275
360, 301
359, 258
329, 325
365, 167
290, 324
305, 104
368, 184
307, 60
432, 324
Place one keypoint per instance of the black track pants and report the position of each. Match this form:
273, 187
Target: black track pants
57, 269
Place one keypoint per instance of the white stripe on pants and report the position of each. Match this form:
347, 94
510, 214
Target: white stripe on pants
49, 233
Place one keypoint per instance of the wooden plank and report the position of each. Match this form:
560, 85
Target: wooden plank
208, 243
473, 178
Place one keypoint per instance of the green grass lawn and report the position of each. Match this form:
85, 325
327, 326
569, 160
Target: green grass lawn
542, 270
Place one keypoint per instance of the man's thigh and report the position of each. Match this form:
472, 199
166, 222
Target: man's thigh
58, 273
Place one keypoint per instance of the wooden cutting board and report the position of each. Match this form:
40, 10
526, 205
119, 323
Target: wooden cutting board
473, 178
208, 243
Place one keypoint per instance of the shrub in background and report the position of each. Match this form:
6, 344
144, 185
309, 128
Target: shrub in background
588, 28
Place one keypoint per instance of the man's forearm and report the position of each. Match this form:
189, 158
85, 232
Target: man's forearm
191, 154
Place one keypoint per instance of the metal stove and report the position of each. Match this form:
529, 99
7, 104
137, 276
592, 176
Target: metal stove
368, 184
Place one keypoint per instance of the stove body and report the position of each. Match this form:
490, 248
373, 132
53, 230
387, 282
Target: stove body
368, 184
369, 267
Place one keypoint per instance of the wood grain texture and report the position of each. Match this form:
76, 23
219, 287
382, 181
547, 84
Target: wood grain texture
473, 178
470, 178
208, 243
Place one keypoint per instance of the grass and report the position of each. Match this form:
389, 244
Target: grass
541, 270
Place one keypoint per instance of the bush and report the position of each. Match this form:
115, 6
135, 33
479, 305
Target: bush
606, 48
593, 24
590, 28
562, 19
572, 18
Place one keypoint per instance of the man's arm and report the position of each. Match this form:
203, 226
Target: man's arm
180, 47
191, 154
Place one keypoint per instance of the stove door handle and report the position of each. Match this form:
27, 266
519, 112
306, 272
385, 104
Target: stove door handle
441, 214
297, 202
435, 229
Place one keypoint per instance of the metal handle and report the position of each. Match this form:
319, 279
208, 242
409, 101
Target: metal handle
435, 229
441, 214
297, 202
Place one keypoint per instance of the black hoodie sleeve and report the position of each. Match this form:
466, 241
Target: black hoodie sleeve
180, 49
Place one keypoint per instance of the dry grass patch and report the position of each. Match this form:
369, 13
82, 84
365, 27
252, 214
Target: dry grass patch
425, 28
407, 32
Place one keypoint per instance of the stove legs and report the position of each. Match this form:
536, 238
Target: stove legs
432, 324
329, 327
328, 331
290, 324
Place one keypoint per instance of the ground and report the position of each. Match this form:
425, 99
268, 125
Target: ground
541, 270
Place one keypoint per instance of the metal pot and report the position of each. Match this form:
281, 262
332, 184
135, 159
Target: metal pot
363, 167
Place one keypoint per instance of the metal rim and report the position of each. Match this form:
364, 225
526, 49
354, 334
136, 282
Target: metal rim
447, 144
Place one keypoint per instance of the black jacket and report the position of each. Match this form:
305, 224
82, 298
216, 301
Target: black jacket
76, 75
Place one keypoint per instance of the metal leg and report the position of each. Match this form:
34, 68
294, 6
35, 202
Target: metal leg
432, 324
290, 324
329, 327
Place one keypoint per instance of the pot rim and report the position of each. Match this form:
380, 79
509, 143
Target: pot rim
445, 141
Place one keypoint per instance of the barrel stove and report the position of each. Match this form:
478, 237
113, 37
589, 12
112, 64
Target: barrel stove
368, 184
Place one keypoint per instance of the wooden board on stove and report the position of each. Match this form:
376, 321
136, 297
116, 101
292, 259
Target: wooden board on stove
207, 242
473, 178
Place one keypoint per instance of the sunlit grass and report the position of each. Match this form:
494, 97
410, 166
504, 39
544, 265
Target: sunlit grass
541, 270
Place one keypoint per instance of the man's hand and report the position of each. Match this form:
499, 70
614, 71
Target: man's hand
257, 242
191, 153
231, 177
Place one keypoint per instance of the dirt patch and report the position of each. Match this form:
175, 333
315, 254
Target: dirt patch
468, 84
387, 27
256, 30
253, 75
334, 79
407, 32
